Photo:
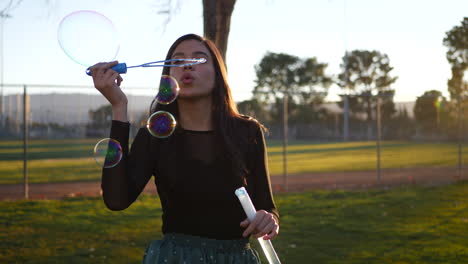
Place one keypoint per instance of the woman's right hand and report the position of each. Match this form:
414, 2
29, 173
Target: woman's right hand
107, 82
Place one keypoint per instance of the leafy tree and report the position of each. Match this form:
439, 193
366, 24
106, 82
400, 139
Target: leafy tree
401, 126
304, 79
101, 117
308, 114
254, 108
427, 110
387, 106
364, 75
456, 40
277, 111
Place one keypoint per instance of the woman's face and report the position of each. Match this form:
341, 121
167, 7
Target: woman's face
197, 80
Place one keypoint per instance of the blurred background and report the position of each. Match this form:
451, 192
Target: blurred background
375, 75
356, 94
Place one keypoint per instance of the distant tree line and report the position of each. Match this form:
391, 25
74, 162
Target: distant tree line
366, 78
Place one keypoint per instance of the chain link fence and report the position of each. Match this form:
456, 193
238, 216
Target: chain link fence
48, 134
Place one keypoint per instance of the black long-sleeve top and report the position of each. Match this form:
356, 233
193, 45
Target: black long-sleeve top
194, 177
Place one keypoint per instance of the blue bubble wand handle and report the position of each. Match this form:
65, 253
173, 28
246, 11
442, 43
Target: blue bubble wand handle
250, 211
122, 67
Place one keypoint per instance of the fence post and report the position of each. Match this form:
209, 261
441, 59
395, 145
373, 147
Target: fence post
379, 135
285, 141
460, 135
3, 16
345, 118
25, 142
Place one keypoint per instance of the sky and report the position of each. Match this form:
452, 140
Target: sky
410, 32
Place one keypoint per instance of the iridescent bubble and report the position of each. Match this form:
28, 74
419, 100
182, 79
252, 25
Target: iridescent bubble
161, 124
88, 37
108, 153
168, 90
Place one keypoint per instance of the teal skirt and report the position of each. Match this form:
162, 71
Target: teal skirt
186, 249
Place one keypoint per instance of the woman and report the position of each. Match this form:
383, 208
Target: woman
213, 151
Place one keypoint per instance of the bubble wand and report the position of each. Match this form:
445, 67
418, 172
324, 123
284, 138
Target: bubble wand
250, 211
122, 67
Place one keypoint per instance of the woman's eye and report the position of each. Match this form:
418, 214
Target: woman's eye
180, 61
202, 59
177, 62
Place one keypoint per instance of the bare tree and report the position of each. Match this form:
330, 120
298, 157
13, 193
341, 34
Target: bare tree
216, 18
10, 5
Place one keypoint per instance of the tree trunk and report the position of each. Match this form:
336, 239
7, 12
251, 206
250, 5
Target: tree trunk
217, 21
209, 19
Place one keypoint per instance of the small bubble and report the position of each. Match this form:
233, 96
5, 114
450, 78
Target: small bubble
108, 153
161, 124
168, 90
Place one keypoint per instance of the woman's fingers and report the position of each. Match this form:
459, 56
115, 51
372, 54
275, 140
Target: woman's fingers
264, 228
273, 233
101, 67
111, 77
269, 231
100, 70
253, 225
107, 81
103, 76
245, 223
119, 80
264, 225
266, 222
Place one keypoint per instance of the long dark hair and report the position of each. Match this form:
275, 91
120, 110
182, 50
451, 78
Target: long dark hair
223, 103
224, 109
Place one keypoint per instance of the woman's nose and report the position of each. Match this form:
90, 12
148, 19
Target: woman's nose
188, 67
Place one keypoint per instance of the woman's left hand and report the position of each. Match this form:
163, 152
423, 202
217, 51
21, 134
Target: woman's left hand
264, 225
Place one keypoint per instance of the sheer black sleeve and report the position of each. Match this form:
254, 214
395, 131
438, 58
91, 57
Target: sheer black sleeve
122, 184
262, 195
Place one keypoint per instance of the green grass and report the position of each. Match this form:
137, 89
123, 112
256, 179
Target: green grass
402, 225
359, 156
72, 160
49, 161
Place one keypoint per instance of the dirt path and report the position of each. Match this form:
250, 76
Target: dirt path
295, 183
